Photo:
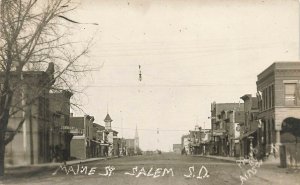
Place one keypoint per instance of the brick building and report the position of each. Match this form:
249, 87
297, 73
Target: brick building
219, 129
99, 143
233, 120
249, 130
279, 111
30, 103
60, 134
81, 143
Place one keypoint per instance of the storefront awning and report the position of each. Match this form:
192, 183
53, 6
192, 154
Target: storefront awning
218, 132
100, 143
248, 134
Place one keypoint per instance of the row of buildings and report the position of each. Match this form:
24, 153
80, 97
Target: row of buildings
266, 125
49, 132
196, 142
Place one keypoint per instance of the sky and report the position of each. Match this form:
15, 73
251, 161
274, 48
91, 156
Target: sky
191, 54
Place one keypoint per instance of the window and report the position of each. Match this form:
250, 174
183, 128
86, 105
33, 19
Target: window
290, 93
273, 96
265, 99
270, 97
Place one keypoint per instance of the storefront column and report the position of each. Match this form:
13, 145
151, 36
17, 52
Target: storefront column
277, 137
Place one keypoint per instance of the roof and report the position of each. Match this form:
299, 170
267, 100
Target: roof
100, 127
111, 130
228, 106
246, 97
278, 65
107, 118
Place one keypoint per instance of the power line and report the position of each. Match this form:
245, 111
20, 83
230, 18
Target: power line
166, 85
154, 130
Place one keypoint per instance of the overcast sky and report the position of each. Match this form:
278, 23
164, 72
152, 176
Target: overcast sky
191, 53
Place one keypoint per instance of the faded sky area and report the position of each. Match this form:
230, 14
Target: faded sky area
191, 53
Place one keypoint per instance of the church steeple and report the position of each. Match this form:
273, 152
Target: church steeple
136, 132
136, 140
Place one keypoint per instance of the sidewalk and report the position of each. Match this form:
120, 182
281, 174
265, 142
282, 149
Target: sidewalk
268, 171
270, 161
43, 166
229, 159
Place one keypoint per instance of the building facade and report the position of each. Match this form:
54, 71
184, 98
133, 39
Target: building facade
81, 143
250, 132
132, 145
99, 145
30, 105
186, 144
177, 148
279, 111
60, 134
233, 121
219, 126
112, 137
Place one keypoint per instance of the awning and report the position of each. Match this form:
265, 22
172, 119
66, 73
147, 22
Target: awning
218, 132
104, 144
101, 144
248, 134
71, 130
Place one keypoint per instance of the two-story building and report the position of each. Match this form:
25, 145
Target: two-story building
233, 121
279, 111
60, 133
99, 142
219, 142
30, 113
195, 138
81, 143
250, 132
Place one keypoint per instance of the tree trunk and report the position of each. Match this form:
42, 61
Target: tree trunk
3, 128
5, 102
296, 152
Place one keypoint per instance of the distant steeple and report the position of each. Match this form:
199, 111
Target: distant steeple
108, 121
136, 132
136, 140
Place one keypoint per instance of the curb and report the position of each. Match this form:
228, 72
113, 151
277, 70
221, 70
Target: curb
38, 167
212, 157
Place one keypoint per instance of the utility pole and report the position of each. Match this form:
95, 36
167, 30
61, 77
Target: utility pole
121, 134
157, 139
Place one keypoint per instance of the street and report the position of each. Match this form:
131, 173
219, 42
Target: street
167, 168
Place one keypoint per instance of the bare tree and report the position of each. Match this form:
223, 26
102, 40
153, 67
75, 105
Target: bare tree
33, 37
